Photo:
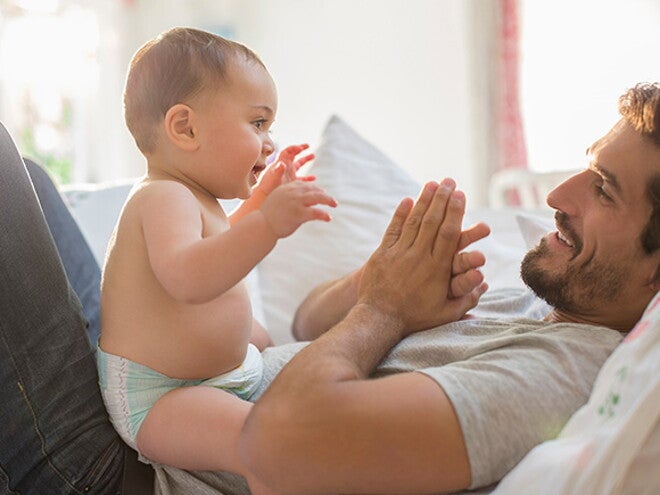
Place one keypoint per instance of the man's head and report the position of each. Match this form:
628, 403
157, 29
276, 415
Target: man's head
602, 264
173, 68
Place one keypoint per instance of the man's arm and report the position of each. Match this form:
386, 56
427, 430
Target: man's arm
327, 304
322, 427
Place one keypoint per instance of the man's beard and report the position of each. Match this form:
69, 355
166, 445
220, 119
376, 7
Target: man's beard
577, 289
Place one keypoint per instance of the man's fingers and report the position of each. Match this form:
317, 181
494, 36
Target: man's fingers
473, 234
467, 260
450, 228
412, 225
435, 214
395, 227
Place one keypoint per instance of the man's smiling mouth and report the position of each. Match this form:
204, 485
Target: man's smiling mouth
564, 239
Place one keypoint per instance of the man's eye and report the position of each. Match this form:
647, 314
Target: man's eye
600, 191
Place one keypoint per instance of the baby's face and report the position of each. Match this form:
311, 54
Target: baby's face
234, 130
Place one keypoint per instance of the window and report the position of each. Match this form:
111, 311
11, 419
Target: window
49, 66
577, 59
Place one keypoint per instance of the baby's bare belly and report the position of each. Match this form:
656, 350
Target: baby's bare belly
187, 341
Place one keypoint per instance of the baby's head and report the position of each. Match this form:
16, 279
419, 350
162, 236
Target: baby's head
173, 68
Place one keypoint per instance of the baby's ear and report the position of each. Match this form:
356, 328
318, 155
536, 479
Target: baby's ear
180, 128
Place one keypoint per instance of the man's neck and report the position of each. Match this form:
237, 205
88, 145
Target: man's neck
559, 316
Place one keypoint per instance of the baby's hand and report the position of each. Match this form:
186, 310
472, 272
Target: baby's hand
288, 157
292, 204
274, 176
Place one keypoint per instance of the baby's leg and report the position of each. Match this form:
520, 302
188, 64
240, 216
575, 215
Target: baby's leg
197, 428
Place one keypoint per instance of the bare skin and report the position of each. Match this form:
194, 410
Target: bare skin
173, 296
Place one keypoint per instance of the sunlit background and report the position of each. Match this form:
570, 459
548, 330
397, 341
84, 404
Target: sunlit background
421, 79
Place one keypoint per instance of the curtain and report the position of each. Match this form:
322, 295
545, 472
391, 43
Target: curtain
497, 126
511, 137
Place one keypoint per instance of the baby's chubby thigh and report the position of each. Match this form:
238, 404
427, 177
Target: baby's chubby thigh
194, 428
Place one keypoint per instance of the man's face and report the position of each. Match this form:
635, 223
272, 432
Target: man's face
593, 268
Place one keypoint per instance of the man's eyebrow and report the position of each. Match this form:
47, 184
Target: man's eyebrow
608, 176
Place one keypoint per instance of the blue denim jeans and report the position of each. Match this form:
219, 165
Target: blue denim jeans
55, 435
79, 263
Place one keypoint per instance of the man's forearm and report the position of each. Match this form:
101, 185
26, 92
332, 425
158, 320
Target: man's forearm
297, 420
353, 348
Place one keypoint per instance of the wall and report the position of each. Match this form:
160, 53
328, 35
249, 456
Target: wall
575, 67
397, 71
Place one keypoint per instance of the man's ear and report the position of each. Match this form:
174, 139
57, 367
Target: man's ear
655, 280
180, 127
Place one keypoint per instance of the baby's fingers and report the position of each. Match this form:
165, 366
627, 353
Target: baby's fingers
319, 214
465, 283
467, 260
459, 306
302, 161
318, 196
289, 153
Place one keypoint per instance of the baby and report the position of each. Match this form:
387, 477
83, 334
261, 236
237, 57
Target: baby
179, 351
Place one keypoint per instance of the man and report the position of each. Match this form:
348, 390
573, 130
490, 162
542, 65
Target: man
322, 427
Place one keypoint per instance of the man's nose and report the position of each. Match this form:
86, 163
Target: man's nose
567, 195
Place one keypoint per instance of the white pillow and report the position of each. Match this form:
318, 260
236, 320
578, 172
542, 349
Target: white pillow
96, 209
534, 227
368, 186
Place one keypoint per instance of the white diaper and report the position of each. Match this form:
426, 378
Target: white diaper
131, 389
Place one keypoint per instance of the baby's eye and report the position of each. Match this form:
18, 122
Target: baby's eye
259, 123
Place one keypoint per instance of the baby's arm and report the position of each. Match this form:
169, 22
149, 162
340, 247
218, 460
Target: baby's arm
283, 170
196, 269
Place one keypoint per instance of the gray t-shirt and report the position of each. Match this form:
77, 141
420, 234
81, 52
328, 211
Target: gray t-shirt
513, 380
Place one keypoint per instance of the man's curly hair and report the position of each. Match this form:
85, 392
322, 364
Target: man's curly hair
640, 108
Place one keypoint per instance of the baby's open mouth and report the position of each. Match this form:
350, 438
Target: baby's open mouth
257, 169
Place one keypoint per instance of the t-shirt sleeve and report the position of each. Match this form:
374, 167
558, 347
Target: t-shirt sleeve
512, 398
